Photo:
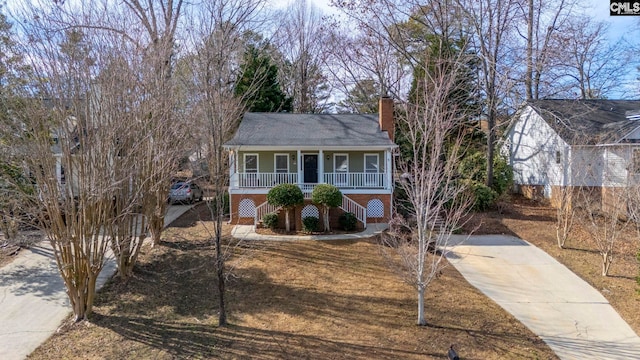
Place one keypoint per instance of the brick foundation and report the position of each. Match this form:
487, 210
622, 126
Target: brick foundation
296, 214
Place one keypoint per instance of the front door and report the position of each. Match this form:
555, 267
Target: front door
310, 168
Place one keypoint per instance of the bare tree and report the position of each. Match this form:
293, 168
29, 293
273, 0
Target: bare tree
601, 207
365, 62
605, 226
591, 66
565, 214
301, 39
490, 25
545, 22
436, 202
68, 155
213, 69
159, 20
86, 139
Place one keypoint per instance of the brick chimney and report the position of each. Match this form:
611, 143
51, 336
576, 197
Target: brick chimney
385, 113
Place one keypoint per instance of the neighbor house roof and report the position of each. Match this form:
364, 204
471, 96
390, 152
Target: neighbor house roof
589, 122
287, 129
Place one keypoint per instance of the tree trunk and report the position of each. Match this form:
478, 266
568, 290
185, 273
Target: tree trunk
327, 228
286, 220
606, 262
528, 79
222, 315
421, 320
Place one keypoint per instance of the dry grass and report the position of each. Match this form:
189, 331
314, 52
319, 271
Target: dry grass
287, 300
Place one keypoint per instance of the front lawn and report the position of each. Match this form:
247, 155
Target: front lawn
286, 300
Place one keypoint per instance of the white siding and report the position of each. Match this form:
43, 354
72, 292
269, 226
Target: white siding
587, 166
532, 146
617, 159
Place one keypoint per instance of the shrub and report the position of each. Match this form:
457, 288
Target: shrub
270, 220
225, 205
483, 195
310, 224
348, 221
287, 196
502, 175
474, 167
329, 197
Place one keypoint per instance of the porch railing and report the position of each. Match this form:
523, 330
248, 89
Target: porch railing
353, 207
356, 180
342, 180
262, 210
250, 180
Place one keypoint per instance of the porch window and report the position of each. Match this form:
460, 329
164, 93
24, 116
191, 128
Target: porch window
371, 169
251, 170
282, 168
371, 163
341, 169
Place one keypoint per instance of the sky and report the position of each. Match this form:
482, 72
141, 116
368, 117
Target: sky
627, 27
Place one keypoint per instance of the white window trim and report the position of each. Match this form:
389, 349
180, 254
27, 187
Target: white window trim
275, 162
244, 163
377, 163
335, 169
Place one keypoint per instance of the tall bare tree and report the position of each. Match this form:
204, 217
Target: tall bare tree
490, 27
213, 69
301, 39
545, 22
68, 154
159, 19
431, 119
436, 202
592, 63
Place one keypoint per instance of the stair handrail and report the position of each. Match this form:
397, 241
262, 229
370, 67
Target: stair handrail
262, 210
353, 207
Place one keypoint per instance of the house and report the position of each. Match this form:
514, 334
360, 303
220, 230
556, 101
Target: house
351, 151
556, 145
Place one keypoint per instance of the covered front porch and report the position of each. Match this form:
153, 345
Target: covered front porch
343, 168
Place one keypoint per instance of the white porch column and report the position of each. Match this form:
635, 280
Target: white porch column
299, 168
233, 169
320, 167
388, 168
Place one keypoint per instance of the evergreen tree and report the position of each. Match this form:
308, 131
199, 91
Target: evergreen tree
362, 99
258, 83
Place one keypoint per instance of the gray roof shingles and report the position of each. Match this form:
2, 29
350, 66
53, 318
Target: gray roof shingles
287, 129
588, 122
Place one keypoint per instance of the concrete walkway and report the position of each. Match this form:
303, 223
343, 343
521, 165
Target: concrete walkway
572, 317
33, 301
246, 232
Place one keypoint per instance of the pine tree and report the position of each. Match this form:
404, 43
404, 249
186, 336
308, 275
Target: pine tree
258, 83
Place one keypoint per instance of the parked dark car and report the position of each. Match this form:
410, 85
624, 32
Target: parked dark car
185, 192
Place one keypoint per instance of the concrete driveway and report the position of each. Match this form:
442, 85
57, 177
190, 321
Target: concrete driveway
572, 317
33, 301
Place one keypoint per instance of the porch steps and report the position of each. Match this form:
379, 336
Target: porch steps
353, 207
262, 210
348, 205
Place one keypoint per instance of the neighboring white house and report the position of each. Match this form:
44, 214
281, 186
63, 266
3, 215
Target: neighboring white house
555, 144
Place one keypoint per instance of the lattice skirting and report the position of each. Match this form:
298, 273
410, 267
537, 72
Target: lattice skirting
375, 208
246, 208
